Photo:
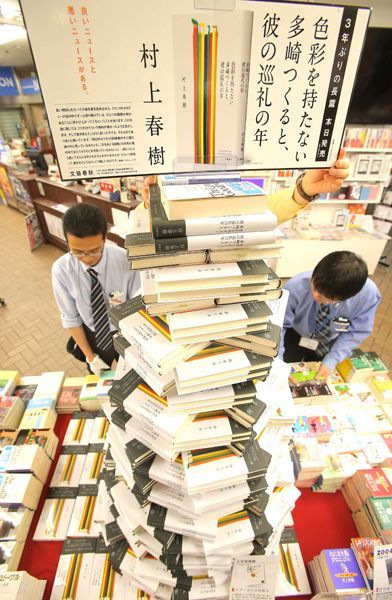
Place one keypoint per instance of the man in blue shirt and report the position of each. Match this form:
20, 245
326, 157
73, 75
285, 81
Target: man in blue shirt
330, 311
86, 281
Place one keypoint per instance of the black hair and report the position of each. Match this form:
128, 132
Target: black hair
84, 220
340, 275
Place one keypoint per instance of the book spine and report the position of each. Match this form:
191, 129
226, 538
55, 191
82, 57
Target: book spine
162, 228
214, 242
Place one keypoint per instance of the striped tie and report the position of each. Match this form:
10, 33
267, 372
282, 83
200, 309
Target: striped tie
103, 336
323, 330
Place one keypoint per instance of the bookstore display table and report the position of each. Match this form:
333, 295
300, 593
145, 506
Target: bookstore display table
321, 521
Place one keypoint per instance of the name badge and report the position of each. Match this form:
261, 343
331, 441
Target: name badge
341, 324
310, 343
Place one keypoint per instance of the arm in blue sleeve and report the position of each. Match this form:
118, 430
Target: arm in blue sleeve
66, 304
361, 328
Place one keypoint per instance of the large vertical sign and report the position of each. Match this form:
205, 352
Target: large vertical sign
266, 85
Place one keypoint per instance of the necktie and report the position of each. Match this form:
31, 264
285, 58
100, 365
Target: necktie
323, 329
103, 336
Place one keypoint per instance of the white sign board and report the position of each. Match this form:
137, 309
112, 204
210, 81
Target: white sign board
158, 87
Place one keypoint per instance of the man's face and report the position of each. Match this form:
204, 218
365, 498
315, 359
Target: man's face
88, 249
320, 298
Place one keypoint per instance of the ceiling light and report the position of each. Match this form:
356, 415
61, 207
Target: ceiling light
10, 33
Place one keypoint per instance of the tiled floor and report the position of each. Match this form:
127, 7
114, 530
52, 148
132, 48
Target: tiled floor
31, 337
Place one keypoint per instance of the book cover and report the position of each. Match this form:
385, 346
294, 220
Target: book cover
363, 549
56, 514
343, 571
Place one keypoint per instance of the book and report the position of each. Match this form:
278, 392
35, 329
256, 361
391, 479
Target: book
174, 259
212, 199
11, 411
88, 398
139, 237
15, 524
79, 429
382, 571
26, 387
19, 585
68, 400
202, 242
151, 336
145, 405
380, 512
381, 388
25, 458
56, 514
208, 276
365, 484
378, 365
40, 413
356, 367
340, 572
69, 467
218, 293
214, 323
19, 489
262, 342
74, 569
49, 384
219, 365
45, 438
258, 252
8, 382
163, 228
196, 177
211, 399
82, 523
363, 549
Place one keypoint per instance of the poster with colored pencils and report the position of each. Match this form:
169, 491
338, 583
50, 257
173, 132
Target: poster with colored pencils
185, 87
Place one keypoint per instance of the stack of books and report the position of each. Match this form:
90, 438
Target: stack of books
336, 571
41, 412
355, 368
71, 504
207, 222
24, 468
198, 467
369, 496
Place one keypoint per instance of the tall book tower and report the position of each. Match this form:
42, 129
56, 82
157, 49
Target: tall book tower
198, 470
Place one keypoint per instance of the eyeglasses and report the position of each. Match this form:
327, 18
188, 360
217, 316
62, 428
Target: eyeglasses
93, 253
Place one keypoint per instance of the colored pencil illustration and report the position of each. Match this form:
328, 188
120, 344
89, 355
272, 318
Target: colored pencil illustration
205, 44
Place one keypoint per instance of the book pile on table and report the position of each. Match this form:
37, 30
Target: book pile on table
342, 431
19, 585
369, 496
198, 467
70, 507
336, 570
24, 466
362, 365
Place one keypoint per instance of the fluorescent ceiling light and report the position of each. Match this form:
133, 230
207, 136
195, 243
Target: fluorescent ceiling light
10, 33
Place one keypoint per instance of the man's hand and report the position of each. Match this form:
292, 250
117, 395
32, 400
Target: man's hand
323, 181
322, 373
97, 365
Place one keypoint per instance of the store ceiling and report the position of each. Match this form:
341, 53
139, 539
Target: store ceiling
16, 52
